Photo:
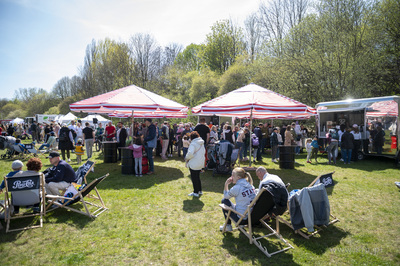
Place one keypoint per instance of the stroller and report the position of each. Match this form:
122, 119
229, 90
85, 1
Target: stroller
7, 143
225, 157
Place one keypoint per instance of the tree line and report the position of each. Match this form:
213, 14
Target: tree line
311, 51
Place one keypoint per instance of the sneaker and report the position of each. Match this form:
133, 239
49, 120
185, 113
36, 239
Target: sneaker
228, 228
150, 173
193, 194
397, 184
200, 192
137, 175
140, 175
69, 160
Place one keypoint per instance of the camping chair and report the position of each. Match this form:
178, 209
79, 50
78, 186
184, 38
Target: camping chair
257, 210
26, 189
80, 196
321, 181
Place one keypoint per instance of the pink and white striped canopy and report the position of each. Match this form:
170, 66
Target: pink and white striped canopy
130, 98
384, 108
265, 103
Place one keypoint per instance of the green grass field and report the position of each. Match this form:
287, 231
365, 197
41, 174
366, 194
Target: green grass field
151, 220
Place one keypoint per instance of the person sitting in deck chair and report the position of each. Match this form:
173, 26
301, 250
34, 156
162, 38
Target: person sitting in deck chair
50, 142
60, 176
243, 191
276, 187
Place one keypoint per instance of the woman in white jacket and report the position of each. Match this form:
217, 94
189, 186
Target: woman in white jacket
195, 159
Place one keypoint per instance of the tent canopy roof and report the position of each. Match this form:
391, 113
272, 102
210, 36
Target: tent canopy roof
262, 102
128, 98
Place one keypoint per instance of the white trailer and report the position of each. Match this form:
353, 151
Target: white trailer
368, 114
42, 118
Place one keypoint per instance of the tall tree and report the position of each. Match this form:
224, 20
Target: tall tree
145, 53
223, 45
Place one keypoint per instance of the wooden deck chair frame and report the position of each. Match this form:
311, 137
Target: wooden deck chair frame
20, 183
249, 232
302, 232
67, 203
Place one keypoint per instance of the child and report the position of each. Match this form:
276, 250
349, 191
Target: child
308, 149
16, 167
254, 143
138, 155
185, 144
315, 148
79, 151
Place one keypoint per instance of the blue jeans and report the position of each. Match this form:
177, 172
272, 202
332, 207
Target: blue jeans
232, 215
44, 145
240, 145
346, 154
184, 152
263, 145
149, 152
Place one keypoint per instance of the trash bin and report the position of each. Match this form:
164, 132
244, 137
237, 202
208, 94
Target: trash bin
286, 157
110, 151
127, 161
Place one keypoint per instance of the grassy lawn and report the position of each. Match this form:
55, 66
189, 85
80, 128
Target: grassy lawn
151, 220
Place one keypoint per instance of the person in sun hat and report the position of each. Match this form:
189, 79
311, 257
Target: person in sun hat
58, 177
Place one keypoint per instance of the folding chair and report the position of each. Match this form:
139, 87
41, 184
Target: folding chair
294, 206
26, 189
257, 211
83, 171
81, 196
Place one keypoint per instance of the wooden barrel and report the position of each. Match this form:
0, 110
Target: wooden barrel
286, 157
110, 151
127, 162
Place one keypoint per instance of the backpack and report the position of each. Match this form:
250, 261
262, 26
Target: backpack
335, 135
255, 141
164, 132
63, 136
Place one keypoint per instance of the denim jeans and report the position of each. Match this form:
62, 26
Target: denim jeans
240, 145
149, 152
333, 146
233, 215
346, 154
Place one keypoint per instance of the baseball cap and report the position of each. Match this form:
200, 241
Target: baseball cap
17, 164
53, 154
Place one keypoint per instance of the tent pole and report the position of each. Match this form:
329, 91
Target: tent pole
251, 132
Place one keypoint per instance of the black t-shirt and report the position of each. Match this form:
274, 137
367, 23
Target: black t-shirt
203, 130
88, 132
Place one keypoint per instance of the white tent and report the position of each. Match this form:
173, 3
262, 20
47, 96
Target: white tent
67, 118
17, 121
100, 119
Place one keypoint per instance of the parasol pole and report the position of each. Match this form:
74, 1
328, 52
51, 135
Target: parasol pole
251, 132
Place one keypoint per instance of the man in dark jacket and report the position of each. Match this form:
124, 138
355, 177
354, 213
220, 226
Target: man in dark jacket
150, 143
121, 137
60, 176
347, 146
257, 130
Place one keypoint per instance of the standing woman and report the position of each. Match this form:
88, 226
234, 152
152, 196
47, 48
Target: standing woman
243, 191
65, 141
288, 136
195, 158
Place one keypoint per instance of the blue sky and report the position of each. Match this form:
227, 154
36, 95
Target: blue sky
42, 41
